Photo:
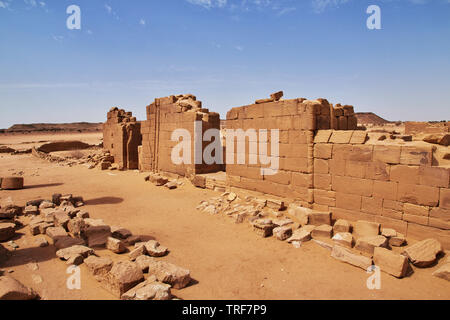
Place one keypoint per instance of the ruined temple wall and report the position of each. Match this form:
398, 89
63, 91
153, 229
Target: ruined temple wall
296, 120
163, 117
121, 137
395, 185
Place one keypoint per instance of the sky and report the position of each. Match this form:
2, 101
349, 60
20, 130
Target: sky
226, 52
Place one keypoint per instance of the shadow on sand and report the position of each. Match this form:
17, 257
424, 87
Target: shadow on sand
103, 200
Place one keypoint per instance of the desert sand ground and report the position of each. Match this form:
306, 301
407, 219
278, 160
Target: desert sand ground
226, 260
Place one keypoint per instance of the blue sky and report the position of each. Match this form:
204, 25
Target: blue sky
226, 52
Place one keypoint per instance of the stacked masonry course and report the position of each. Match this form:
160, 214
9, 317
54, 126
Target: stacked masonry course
297, 121
390, 184
121, 137
164, 116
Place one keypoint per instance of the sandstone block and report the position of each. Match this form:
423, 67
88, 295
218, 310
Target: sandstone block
344, 239
282, 233
115, 245
322, 231
397, 241
390, 262
12, 183
98, 266
150, 289
169, 273
11, 289
368, 244
123, 276
424, 253
341, 225
319, 218
347, 256
7, 231
366, 228
154, 249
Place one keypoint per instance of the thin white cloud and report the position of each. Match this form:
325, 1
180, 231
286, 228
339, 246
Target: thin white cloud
32, 3
108, 8
58, 38
142, 22
285, 11
321, 5
4, 5
110, 11
209, 3
239, 48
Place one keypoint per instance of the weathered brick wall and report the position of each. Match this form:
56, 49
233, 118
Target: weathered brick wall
296, 120
121, 137
390, 184
426, 127
164, 116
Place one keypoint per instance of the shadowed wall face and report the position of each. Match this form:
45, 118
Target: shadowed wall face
164, 116
121, 137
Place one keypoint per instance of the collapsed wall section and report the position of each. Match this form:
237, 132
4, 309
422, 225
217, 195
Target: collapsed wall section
121, 137
164, 116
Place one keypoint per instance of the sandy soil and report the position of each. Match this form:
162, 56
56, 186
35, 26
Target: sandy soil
227, 260
24, 141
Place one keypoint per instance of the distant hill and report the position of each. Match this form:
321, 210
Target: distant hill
54, 127
370, 118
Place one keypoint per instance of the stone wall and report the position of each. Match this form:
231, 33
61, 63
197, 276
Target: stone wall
121, 137
164, 116
297, 120
395, 185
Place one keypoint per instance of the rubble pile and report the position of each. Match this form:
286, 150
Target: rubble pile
362, 243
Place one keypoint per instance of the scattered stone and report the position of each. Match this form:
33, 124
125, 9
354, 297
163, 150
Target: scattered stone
231, 197
169, 273
76, 226
61, 219
143, 262
150, 289
139, 250
277, 205
323, 244
444, 271
11, 289
75, 260
301, 213
366, 228
320, 218
44, 226
33, 266
41, 242
10, 211
82, 215
55, 232
56, 198
12, 183
390, 262
368, 244
282, 233
46, 205
388, 233
98, 266
123, 276
66, 242
115, 245
154, 249
263, 227
67, 253
341, 225
31, 210
171, 185
322, 231
300, 235
346, 255
344, 239
96, 232
276, 96
34, 203
424, 253
397, 241
282, 222
7, 231
120, 233
199, 181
